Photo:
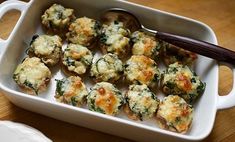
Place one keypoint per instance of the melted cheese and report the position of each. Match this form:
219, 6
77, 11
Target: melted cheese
143, 69
118, 44
117, 41
107, 102
105, 98
183, 81
57, 17
32, 71
83, 31
145, 44
77, 58
74, 91
181, 77
48, 48
115, 28
142, 101
107, 68
178, 115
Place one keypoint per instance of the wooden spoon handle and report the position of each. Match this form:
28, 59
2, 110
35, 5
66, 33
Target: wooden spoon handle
199, 47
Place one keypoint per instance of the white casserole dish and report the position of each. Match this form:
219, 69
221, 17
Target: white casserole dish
12, 52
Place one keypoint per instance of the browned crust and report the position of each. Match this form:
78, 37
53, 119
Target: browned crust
30, 53
103, 48
99, 79
167, 58
94, 43
129, 113
61, 99
163, 124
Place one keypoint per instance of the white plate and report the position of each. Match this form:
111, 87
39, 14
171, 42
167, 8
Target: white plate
17, 132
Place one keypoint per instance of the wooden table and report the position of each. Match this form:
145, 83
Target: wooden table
218, 14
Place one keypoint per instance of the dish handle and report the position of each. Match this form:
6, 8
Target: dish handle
228, 101
4, 8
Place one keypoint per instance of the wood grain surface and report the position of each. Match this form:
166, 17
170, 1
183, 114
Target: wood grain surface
218, 14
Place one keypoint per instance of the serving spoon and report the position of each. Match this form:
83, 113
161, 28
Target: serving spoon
131, 22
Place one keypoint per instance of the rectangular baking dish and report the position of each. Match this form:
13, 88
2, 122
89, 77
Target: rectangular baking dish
12, 52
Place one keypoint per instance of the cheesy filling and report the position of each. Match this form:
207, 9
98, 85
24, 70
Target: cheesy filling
77, 58
180, 80
32, 74
115, 38
71, 91
140, 69
145, 44
107, 68
46, 47
175, 114
105, 98
57, 17
83, 31
142, 101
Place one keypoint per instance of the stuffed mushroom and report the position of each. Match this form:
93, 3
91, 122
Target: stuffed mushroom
107, 68
32, 75
140, 69
71, 91
57, 18
145, 44
84, 31
105, 98
76, 59
47, 48
141, 102
115, 39
174, 114
179, 80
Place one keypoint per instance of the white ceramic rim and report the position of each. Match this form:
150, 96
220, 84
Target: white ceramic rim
223, 102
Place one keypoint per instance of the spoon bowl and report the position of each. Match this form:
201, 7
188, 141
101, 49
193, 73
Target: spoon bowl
129, 20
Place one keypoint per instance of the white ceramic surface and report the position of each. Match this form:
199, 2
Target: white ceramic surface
12, 52
17, 132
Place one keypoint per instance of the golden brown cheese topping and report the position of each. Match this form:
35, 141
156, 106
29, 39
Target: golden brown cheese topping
71, 91
83, 31
32, 75
145, 44
106, 101
77, 58
105, 98
142, 70
175, 114
184, 82
179, 80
